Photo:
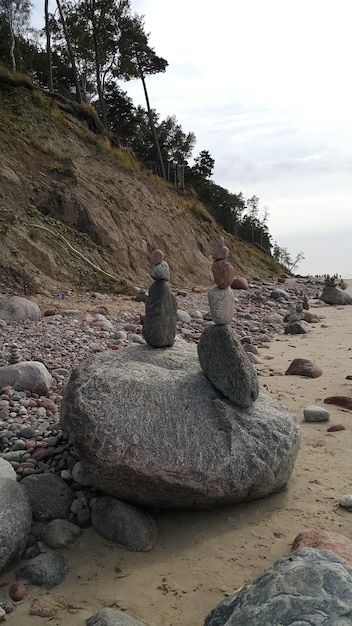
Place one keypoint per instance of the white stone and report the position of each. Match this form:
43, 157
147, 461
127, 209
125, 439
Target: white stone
315, 414
221, 302
346, 501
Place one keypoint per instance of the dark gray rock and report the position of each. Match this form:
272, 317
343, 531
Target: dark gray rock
159, 328
15, 521
16, 309
59, 533
296, 327
307, 587
335, 295
226, 364
127, 525
47, 570
151, 429
31, 375
6, 605
49, 496
112, 617
278, 294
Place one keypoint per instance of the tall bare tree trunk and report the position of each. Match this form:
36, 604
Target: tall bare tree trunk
159, 157
48, 46
70, 52
97, 63
12, 42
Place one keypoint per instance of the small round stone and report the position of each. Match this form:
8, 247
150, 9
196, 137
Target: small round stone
160, 271
17, 591
346, 501
157, 257
315, 414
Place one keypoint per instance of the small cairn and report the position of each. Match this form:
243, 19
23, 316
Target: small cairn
221, 355
14, 356
295, 324
159, 328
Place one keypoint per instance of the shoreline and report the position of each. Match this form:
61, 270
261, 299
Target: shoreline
201, 556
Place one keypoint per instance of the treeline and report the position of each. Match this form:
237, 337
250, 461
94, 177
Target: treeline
85, 51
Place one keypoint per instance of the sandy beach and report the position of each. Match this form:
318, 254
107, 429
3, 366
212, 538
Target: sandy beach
201, 556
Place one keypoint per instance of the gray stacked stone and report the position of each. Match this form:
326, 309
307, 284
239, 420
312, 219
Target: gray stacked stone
221, 355
159, 328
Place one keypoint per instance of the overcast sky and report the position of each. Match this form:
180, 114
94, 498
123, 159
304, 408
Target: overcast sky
266, 87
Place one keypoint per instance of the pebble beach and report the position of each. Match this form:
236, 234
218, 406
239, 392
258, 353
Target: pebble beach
198, 557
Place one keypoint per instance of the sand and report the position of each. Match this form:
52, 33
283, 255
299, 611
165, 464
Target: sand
201, 556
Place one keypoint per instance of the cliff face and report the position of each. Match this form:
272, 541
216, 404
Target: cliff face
70, 205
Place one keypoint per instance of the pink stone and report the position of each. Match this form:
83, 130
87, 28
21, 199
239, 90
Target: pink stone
48, 404
311, 318
325, 540
17, 591
157, 257
304, 367
239, 283
30, 443
223, 273
335, 428
130, 327
41, 453
344, 401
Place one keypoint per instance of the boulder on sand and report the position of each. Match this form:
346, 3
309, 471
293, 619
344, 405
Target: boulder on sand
16, 309
332, 294
151, 429
306, 587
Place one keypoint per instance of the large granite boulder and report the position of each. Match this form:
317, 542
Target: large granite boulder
151, 429
332, 294
15, 521
307, 587
16, 309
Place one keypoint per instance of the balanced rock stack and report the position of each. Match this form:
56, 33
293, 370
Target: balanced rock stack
221, 355
159, 328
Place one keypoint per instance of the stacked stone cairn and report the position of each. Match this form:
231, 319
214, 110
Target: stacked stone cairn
14, 356
221, 355
159, 328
